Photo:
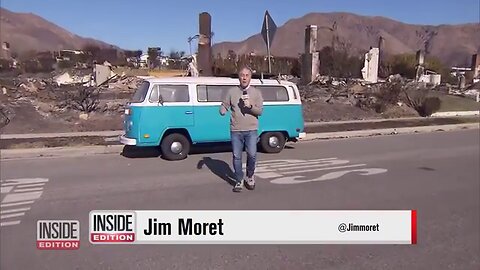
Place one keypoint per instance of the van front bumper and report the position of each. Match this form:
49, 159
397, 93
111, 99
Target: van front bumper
127, 141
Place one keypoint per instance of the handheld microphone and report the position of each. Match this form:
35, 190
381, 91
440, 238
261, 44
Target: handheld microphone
245, 94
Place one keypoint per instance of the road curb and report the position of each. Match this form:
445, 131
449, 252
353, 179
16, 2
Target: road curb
456, 113
115, 133
79, 151
11, 154
388, 131
63, 135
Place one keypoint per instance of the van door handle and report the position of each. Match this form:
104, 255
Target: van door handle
188, 112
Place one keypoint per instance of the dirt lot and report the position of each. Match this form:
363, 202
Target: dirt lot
36, 104
28, 119
325, 112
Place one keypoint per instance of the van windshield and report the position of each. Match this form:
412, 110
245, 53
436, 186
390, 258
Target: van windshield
141, 93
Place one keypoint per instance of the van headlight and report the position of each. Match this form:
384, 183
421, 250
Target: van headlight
127, 111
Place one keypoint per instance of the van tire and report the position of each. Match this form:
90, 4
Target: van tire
171, 141
272, 142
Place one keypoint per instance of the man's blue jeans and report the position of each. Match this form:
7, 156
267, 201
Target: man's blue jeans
239, 140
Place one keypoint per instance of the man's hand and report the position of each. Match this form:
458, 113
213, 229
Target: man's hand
247, 104
222, 110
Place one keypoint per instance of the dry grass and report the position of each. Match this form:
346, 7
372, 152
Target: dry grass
146, 72
166, 73
131, 71
456, 103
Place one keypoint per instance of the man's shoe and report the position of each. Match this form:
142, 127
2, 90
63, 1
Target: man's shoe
238, 187
250, 183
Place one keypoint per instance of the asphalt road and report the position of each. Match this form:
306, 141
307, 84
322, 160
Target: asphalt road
435, 173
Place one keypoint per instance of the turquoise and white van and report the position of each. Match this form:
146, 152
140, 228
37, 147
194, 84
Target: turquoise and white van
178, 112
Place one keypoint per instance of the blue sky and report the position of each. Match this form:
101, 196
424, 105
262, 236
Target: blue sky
142, 23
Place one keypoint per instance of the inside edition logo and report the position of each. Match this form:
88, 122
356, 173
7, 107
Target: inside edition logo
112, 227
58, 234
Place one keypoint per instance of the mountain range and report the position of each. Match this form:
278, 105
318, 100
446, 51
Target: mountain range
453, 44
26, 32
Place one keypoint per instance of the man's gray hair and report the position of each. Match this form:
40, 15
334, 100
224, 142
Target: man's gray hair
245, 67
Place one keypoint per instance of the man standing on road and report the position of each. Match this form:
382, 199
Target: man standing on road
246, 104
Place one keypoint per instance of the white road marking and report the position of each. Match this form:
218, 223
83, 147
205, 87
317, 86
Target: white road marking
14, 210
16, 204
323, 169
9, 185
27, 189
328, 176
17, 197
25, 181
9, 223
298, 163
318, 164
19, 192
285, 165
33, 185
263, 162
268, 175
278, 161
291, 171
12, 215
6, 189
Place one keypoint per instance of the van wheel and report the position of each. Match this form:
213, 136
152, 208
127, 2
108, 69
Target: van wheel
272, 142
175, 147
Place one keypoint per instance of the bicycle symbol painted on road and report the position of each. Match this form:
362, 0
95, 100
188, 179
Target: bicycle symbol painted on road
292, 171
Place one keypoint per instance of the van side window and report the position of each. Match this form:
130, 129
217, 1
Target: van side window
273, 93
212, 93
169, 93
141, 92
